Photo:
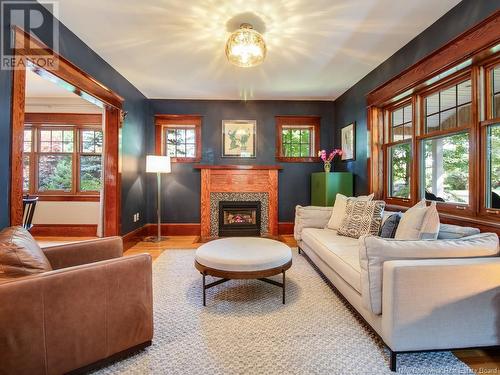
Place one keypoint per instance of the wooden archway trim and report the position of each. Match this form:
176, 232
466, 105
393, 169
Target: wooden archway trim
25, 48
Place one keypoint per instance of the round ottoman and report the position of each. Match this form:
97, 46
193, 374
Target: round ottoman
243, 258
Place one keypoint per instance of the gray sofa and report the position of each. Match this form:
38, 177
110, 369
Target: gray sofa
426, 304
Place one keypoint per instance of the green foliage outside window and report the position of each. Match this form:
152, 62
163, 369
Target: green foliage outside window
296, 142
493, 164
400, 165
447, 167
55, 172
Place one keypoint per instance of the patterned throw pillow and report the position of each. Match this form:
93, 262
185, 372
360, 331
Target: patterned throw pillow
362, 218
390, 225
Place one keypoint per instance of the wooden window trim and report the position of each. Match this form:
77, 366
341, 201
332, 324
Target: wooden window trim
312, 121
472, 54
163, 121
61, 121
89, 119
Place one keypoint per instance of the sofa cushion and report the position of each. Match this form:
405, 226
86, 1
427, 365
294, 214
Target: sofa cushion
374, 251
449, 231
419, 223
339, 208
339, 252
20, 254
310, 217
362, 218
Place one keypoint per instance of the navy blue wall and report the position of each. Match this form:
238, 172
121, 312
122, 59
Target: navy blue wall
134, 129
351, 106
181, 189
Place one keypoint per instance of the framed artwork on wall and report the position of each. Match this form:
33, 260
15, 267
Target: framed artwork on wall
348, 135
238, 138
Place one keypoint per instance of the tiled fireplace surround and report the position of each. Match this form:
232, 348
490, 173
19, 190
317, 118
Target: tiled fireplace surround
238, 183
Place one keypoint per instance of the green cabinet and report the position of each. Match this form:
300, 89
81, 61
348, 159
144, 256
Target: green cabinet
325, 186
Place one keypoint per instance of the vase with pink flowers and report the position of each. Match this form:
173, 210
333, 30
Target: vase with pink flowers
327, 159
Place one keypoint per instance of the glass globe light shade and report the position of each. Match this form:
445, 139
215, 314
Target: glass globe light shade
246, 47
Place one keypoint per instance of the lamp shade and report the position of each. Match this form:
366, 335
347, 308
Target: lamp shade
157, 164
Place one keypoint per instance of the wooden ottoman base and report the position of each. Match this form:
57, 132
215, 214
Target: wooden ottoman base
233, 275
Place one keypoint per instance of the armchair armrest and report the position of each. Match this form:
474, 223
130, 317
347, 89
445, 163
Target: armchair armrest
84, 252
441, 303
310, 217
67, 319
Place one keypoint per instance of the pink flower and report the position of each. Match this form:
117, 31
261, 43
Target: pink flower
322, 154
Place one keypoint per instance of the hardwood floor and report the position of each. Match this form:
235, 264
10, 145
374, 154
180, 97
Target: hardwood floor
481, 361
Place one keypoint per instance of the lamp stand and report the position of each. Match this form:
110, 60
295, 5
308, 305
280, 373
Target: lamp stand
158, 237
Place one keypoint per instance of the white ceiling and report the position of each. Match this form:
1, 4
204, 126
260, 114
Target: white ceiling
37, 86
43, 95
317, 49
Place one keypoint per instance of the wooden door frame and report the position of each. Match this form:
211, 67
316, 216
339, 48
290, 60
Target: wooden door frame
25, 48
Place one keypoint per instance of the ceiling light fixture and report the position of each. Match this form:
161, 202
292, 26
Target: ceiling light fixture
246, 47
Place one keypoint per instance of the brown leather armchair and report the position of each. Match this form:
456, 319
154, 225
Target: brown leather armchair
94, 306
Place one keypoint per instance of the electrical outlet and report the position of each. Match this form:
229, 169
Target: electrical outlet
136, 217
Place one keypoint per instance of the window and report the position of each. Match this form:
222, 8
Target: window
399, 167
446, 163
297, 138
62, 155
55, 160
448, 108
453, 157
179, 136
493, 167
402, 123
491, 140
90, 160
398, 150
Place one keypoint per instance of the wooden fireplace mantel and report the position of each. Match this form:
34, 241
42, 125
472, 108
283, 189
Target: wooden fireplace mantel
239, 179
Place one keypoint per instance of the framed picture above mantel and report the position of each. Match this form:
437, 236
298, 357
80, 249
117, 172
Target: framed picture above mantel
239, 138
348, 136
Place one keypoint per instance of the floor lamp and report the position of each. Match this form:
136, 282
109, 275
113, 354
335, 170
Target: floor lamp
158, 165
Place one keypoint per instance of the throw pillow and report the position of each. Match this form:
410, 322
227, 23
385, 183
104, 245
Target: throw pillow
374, 251
390, 225
450, 231
419, 222
361, 218
20, 254
339, 208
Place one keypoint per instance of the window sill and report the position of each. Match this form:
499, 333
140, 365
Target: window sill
67, 198
284, 159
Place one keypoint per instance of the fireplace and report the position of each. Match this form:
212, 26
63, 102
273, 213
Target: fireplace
239, 218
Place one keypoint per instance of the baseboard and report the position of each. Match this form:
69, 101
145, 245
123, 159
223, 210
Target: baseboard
285, 227
67, 230
132, 238
174, 229
180, 229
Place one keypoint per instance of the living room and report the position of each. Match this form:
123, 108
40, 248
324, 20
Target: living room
250, 187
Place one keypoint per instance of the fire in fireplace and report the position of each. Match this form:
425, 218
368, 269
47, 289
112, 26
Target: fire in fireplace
239, 218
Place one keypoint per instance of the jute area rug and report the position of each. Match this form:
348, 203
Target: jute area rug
245, 329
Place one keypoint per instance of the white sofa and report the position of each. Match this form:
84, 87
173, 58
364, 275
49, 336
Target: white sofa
427, 304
